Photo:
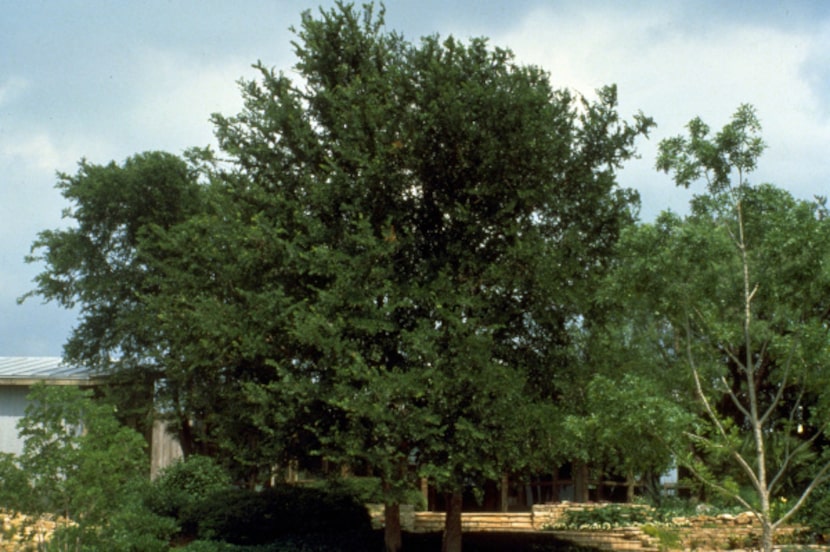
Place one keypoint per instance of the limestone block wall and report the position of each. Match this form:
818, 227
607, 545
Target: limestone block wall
550, 515
722, 532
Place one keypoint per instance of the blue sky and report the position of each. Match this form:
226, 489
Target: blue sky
107, 79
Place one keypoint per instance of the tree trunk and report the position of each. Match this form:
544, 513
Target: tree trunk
392, 527
505, 492
452, 524
186, 438
629, 487
766, 534
580, 476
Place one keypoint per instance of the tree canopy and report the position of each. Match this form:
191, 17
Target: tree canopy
383, 265
410, 230
413, 258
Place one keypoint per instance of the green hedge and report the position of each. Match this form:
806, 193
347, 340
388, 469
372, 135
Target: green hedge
185, 483
244, 517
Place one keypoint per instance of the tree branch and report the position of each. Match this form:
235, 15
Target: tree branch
821, 477
712, 416
721, 488
741, 408
780, 392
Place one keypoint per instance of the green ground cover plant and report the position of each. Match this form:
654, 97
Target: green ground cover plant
610, 516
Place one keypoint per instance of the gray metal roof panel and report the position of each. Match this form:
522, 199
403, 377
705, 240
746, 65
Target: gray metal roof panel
40, 368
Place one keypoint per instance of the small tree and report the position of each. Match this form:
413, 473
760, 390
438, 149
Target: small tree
78, 462
745, 286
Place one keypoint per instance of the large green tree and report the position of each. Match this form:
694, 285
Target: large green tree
93, 266
408, 231
738, 295
383, 267
110, 264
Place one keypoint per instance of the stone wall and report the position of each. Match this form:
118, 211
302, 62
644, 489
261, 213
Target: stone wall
726, 531
19, 532
722, 532
550, 515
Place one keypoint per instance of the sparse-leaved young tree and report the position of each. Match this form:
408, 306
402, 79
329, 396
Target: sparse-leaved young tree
738, 291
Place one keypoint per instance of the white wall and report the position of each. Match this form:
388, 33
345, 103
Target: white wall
165, 449
12, 407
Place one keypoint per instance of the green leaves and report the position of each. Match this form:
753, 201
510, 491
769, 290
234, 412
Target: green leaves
78, 461
384, 269
619, 413
736, 285
736, 147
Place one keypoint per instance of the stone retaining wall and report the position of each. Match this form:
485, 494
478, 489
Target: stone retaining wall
550, 515
612, 540
425, 522
723, 532
19, 532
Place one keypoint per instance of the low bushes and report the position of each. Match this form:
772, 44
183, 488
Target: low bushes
246, 517
609, 516
213, 515
184, 484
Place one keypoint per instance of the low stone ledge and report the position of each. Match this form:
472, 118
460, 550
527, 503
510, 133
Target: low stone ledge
700, 532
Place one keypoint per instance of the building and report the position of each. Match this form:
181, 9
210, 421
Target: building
19, 374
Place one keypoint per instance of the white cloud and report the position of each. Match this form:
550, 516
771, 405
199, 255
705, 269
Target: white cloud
37, 151
12, 88
179, 95
674, 73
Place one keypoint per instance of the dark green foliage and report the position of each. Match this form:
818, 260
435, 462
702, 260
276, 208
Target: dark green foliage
185, 483
14, 484
308, 543
94, 263
385, 269
496, 542
369, 490
815, 515
133, 527
247, 517
419, 224
366, 490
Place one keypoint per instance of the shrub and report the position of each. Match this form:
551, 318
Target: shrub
366, 490
815, 514
185, 483
668, 537
136, 528
14, 484
291, 543
606, 517
250, 518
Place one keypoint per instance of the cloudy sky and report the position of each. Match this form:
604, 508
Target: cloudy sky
105, 79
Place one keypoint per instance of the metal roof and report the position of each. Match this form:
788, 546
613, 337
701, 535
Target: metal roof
30, 370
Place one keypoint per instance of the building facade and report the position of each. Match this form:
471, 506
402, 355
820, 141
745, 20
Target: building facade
19, 374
